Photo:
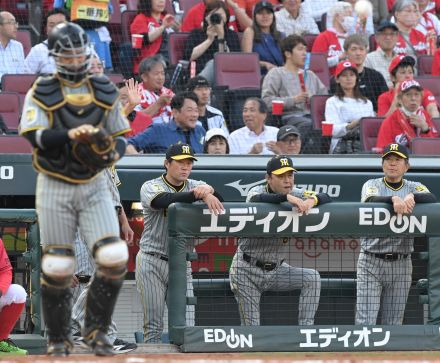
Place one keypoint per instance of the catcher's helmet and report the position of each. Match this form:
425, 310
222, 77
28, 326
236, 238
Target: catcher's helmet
69, 44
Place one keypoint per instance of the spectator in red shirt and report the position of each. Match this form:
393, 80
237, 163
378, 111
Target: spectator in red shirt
332, 40
402, 69
154, 24
436, 64
194, 17
408, 121
12, 300
411, 41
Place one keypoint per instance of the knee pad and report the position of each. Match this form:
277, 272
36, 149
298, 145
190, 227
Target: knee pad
58, 265
110, 252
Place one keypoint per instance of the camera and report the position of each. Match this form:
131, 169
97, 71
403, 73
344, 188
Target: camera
215, 19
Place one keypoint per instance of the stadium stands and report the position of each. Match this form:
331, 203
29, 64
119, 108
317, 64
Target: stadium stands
369, 128
424, 64
176, 44
19, 83
12, 144
425, 146
318, 64
24, 37
317, 110
10, 109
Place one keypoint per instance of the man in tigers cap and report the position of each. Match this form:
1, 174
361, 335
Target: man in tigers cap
259, 263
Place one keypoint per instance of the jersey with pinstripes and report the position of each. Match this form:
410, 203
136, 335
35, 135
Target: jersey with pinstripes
248, 281
151, 270
384, 280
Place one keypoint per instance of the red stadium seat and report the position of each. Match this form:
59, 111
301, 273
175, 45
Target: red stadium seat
116, 78
20, 83
372, 43
126, 19
432, 83
24, 37
237, 70
176, 44
310, 39
12, 144
436, 122
318, 64
10, 109
425, 146
185, 5
369, 129
317, 110
424, 65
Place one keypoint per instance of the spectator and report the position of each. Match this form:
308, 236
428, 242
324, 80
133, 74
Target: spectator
411, 41
209, 117
345, 109
216, 142
435, 71
196, 16
380, 11
96, 66
332, 40
380, 59
155, 98
249, 5
288, 141
263, 38
11, 51
283, 83
38, 60
317, 8
292, 19
428, 23
402, 69
408, 121
182, 128
255, 137
12, 300
214, 37
363, 23
371, 82
154, 24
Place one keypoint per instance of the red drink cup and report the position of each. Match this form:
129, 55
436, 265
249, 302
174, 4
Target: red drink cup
327, 128
277, 107
136, 41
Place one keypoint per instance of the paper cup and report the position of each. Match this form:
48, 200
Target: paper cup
277, 107
327, 128
136, 41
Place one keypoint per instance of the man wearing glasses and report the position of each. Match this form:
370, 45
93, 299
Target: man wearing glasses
288, 141
11, 51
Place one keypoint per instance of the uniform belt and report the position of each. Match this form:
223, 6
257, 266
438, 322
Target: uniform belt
83, 279
388, 256
266, 266
158, 255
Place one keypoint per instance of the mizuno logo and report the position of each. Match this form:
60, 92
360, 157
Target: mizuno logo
244, 188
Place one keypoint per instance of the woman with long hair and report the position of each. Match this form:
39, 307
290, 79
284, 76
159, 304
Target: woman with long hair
345, 109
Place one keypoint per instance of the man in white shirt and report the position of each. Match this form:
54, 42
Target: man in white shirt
292, 19
38, 60
255, 137
11, 51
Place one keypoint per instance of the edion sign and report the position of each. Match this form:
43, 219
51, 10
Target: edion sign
231, 339
397, 223
6, 172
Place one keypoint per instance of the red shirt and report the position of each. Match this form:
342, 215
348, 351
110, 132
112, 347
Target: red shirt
145, 24
194, 18
5, 270
392, 127
139, 124
386, 99
436, 63
327, 42
416, 38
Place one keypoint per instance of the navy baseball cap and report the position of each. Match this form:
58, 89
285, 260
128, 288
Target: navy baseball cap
180, 152
263, 5
386, 24
279, 164
398, 149
197, 81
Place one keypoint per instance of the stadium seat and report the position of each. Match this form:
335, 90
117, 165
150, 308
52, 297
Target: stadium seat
317, 110
20, 83
425, 146
133, 5
10, 110
176, 44
114, 25
432, 83
310, 39
436, 122
116, 78
185, 5
14, 144
318, 64
369, 129
24, 37
19, 8
126, 19
372, 43
237, 70
424, 65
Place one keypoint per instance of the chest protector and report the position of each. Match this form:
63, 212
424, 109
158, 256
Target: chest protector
65, 112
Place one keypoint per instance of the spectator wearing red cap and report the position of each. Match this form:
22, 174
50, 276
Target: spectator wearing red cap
345, 109
408, 121
402, 69
332, 40
436, 64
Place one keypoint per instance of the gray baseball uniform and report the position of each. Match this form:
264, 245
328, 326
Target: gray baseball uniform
249, 281
380, 278
152, 259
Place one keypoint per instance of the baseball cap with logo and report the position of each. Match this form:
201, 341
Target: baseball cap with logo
407, 85
342, 66
180, 152
286, 131
263, 5
197, 81
397, 149
401, 60
279, 164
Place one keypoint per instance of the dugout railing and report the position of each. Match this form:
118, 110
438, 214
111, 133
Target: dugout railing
189, 222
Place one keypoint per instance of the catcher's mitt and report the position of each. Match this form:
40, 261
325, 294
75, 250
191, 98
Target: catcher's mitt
96, 149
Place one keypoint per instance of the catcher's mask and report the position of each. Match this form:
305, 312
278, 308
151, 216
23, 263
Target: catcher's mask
69, 44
